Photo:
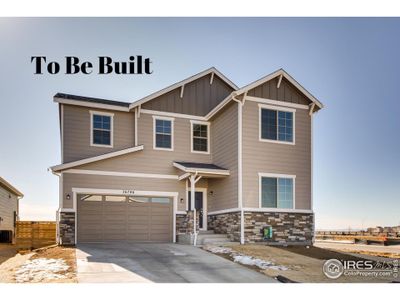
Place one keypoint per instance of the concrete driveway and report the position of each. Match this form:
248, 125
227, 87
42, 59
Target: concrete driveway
133, 262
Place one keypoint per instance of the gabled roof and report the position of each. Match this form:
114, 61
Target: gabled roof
10, 188
80, 162
280, 72
211, 70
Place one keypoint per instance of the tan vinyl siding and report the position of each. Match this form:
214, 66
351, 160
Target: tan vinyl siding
286, 92
199, 97
76, 135
224, 147
7, 208
121, 183
150, 160
268, 157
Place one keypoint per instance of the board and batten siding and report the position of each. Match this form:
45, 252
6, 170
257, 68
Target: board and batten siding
76, 132
224, 149
268, 157
121, 183
199, 97
286, 92
7, 207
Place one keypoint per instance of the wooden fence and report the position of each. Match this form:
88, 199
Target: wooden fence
35, 234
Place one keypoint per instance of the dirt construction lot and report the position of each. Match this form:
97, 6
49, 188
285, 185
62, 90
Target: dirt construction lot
297, 263
52, 264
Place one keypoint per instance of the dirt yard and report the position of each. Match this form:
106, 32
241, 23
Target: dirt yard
47, 265
298, 263
7, 251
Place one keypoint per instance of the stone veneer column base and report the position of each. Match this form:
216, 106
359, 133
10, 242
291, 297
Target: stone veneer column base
67, 228
184, 227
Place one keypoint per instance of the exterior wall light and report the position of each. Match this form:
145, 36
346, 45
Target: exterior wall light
68, 196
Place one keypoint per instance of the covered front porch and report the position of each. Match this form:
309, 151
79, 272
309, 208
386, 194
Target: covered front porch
197, 177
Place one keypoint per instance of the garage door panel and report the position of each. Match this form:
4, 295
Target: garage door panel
130, 220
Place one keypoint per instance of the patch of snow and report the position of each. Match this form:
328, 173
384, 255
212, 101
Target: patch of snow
39, 269
262, 264
217, 249
245, 259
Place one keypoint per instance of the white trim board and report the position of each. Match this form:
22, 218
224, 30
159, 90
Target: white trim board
76, 163
120, 174
257, 209
171, 114
277, 103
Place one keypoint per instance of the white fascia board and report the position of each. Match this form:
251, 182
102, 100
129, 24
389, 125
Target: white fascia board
70, 165
120, 174
288, 77
91, 104
181, 83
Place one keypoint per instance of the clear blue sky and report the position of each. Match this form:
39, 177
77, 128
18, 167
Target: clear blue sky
351, 65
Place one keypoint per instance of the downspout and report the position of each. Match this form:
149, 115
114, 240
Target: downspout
240, 164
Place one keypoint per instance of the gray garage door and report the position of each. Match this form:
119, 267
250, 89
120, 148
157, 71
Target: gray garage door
124, 218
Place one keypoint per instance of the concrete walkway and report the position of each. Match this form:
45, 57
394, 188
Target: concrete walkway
132, 262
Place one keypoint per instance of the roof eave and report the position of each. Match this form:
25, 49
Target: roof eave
11, 188
61, 167
183, 82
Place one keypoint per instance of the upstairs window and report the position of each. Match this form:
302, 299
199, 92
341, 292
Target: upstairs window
101, 131
200, 137
163, 133
276, 125
276, 192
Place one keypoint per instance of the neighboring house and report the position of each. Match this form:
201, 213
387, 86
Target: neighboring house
128, 169
9, 209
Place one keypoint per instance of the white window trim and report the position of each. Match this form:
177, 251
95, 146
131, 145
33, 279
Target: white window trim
102, 113
192, 122
277, 108
154, 132
275, 175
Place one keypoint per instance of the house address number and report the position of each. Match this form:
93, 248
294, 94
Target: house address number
128, 192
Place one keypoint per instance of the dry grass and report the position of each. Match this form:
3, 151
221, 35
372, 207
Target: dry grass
305, 264
9, 267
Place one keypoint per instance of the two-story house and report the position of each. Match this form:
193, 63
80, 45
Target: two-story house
129, 169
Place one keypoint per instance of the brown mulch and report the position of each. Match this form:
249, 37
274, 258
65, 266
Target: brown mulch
319, 253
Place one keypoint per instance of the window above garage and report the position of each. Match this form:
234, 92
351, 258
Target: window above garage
101, 129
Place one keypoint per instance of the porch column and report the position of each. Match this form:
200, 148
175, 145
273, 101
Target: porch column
192, 203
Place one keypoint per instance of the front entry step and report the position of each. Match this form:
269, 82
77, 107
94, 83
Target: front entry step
211, 238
